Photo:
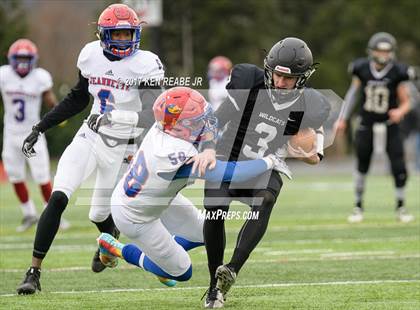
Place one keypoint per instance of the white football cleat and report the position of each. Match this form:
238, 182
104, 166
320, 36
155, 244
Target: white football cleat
214, 299
356, 216
403, 216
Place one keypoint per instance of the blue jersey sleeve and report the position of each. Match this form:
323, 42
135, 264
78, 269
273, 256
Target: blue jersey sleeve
225, 171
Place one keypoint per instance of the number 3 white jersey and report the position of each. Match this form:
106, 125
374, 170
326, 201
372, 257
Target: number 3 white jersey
109, 83
142, 194
22, 97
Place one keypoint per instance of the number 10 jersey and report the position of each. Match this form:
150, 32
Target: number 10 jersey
379, 88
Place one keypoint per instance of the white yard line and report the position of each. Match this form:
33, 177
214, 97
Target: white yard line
272, 285
72, 236
348, 256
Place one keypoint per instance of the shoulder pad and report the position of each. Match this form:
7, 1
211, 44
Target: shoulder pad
355, 66
245, 76
405, 72
317, 108
44, 79
147, 65
85, 55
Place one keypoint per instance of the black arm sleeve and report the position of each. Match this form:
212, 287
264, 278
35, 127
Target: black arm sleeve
75, 102
148, 96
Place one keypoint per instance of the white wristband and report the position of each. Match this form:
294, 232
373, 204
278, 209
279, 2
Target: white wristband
320, 143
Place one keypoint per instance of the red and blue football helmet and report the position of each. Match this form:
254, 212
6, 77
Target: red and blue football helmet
23, 56
184, 113
116, 17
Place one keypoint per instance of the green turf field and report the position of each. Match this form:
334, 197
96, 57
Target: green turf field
310, 258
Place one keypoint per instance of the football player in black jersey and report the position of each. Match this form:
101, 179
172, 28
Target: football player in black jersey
384, 99
264, 108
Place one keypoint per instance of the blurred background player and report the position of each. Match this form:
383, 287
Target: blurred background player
104, 66
162, 232
23, 87
218, 75
385, 100
265, 107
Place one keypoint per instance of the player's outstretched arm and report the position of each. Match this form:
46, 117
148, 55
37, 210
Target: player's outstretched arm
75, 102
350, 101
241, 171
72, 104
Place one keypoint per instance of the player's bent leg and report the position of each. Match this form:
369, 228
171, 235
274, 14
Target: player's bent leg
364, 148
46, 230
183, 220
107, 226
395, 151
253, 230
49, 223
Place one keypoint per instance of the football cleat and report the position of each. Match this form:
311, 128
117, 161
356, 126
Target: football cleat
356, 216
107, 259
27, 222
225, 279
31, 282
214, 298
167, 282
97, 265
403, 216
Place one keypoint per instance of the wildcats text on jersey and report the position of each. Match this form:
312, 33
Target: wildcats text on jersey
101, 80
272, 118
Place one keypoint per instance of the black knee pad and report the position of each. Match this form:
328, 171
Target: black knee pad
58, 200
268, 201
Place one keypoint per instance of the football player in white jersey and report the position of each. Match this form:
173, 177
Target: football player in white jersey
218, 75
142, 203
23, 87
104, 66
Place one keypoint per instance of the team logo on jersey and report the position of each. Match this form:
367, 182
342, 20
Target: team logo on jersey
173, 109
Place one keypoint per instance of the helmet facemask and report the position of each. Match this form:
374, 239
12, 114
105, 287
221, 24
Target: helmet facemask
119, 48
193, 129
381, 48
22, 64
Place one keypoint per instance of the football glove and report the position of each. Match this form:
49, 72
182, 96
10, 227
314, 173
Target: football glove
95, 121
280, 165
29, 142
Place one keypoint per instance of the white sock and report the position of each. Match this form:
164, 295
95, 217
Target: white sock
28, 208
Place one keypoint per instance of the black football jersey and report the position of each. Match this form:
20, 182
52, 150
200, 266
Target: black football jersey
256, 126
379, 88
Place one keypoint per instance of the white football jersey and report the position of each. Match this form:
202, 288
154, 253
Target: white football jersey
22, 97
109, 83
217, 92
143, 194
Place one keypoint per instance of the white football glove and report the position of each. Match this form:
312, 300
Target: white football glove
279, 164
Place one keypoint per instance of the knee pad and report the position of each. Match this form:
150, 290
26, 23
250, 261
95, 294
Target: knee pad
268, 200
58, 201
185, 276
99, 213
400, 178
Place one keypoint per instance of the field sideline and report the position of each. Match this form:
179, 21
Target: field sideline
310, 257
